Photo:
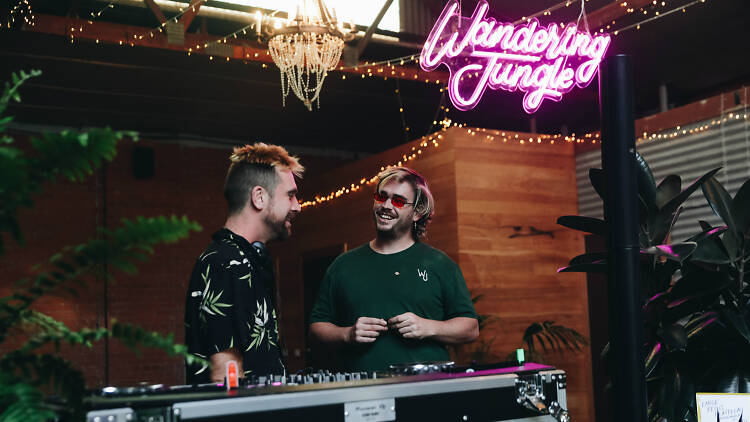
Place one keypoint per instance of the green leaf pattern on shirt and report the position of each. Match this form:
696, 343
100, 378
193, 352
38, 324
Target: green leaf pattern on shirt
210, 299
203, 366
249, 279
259, 329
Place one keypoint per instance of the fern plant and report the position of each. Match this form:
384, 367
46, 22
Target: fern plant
27, 375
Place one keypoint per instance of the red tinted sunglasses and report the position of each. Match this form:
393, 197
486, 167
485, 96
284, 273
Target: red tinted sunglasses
396, 200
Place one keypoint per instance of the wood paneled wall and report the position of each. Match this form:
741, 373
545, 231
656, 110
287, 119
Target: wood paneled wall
509, 197
482, 191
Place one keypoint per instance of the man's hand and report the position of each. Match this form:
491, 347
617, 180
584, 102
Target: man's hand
366, 330
219, 362
412, 326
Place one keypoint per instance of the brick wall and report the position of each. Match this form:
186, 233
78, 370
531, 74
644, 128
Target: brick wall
187, 181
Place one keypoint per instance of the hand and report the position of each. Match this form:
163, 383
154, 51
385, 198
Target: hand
366, 330
412, 326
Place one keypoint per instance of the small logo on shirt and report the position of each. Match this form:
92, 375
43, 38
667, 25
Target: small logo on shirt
422, 274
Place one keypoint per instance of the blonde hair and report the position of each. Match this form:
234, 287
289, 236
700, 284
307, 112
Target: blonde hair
255, 165
269, 155
424, 203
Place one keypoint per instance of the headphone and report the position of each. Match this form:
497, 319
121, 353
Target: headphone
260, 249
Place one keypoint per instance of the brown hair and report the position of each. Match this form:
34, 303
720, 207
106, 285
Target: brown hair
255, 165
424, 203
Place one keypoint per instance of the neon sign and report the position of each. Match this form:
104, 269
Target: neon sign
543, 62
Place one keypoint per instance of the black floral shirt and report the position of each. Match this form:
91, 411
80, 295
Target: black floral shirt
230, 305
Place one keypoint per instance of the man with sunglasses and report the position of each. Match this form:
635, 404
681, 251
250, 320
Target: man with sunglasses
394, 300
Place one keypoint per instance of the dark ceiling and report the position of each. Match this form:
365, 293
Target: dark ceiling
167, 94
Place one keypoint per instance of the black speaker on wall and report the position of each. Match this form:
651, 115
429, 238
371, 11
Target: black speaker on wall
143, 162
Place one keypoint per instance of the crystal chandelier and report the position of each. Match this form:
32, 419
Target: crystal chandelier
305, 48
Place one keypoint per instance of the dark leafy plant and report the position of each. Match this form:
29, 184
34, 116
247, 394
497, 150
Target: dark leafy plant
695, 296
551, 337
27, 374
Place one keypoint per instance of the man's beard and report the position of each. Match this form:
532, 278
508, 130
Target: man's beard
278, 227
399, 228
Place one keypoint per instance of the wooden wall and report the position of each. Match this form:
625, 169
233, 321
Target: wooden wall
482, 190
509, 197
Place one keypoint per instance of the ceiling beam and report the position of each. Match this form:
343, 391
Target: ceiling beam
156, 11
192, 12
368, 35
82, 30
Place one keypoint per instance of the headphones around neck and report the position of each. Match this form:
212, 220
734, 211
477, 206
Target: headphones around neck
260, 248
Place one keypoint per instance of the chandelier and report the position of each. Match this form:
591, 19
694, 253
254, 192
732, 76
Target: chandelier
305, 48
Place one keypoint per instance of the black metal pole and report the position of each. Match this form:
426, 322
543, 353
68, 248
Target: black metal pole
621, 215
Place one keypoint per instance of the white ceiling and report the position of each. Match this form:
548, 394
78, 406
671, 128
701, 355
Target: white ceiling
361, 12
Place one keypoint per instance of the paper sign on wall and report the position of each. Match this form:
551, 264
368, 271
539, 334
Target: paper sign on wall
721, 407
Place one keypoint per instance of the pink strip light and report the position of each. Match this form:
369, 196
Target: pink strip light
542, 62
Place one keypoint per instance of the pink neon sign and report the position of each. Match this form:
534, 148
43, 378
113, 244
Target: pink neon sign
543, 62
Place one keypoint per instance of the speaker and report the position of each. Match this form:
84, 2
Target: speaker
143, 162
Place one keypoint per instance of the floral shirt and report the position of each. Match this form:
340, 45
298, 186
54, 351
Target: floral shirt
230, 305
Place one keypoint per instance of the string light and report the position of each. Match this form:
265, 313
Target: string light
95, 15
678, 131
175, 18
422, 146
233, 34
419, 148
368, 68
23, 9
657, 15
544, 12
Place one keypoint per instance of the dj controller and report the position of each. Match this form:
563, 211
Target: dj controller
508, 391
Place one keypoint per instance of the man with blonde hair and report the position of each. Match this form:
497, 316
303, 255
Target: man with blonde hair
229, 311
394, 300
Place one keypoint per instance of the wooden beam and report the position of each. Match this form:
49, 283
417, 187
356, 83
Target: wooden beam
366, 39
203, 26
156, 10
192, 12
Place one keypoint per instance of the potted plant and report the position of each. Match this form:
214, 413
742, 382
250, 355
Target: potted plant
695, 295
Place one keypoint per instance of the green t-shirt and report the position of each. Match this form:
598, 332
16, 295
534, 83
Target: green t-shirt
419, 279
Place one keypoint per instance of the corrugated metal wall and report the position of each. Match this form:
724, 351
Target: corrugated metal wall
689, 156
416, 17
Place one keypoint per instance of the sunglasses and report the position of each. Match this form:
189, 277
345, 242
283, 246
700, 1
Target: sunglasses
397, 200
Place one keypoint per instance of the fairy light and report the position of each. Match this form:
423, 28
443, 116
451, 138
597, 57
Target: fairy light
678, 131
95, 15
416, 150
175, 19
22, 9
657, 14
384, 69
